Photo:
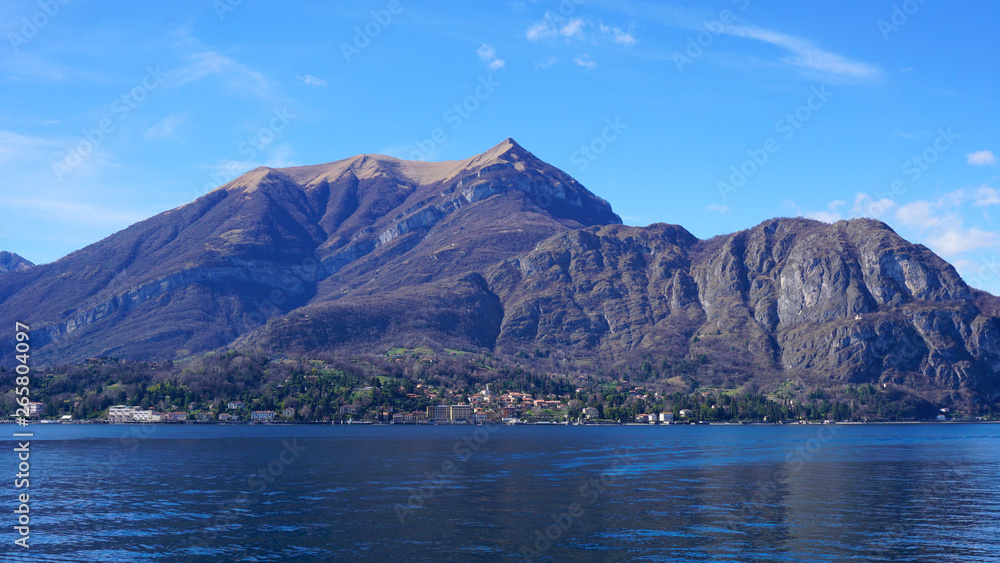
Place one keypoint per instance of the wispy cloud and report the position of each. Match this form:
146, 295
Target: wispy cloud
585, 61
208, 63
801, 53
805, 54
310, 80
17, 148
165, 127
981, 158
588, 30
717, 208
488, 55
546, 63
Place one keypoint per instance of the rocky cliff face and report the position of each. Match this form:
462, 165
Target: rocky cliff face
502, 252
852, 301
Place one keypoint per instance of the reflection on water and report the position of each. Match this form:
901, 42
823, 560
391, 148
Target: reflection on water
719, 493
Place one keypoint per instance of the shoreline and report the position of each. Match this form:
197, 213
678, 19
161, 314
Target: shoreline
548, 424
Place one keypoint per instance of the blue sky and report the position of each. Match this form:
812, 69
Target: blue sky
714, 115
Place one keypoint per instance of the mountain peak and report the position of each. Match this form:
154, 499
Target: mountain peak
10, 262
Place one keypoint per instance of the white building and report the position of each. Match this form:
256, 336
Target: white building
236, 405
262, 415
666, 417
121, 413
590, 412
36, 409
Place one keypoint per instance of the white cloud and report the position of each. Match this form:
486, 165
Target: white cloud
831, 215
981, 158
717, 208
17, 148
867, 206
165, 127
986, 196
488, 55
554, 26
804, 54
209, 63
919, 214
310, 80
957, 240
618, 35
549, 61
585, 61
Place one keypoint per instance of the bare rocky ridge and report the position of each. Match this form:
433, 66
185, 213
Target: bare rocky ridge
504, 253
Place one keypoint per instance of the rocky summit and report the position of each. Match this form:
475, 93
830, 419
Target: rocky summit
503, 253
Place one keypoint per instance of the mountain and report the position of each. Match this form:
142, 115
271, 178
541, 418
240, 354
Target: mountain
276, 240
10, 262
504, 253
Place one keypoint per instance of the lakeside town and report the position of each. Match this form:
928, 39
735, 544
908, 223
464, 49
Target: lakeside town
512, 408
422, 386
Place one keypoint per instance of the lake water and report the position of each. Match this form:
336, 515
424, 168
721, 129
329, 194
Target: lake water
544, 493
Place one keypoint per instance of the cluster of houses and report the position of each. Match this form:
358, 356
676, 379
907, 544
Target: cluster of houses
482, 407
122, 413
663, 418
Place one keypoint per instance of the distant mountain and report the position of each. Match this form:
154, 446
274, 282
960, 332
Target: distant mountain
504, 253
10, 262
